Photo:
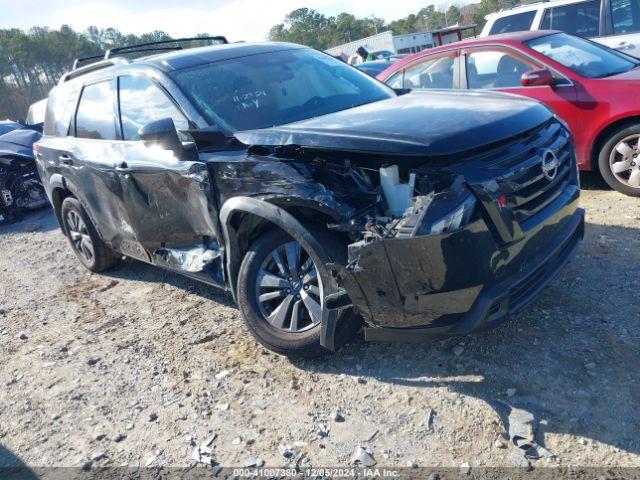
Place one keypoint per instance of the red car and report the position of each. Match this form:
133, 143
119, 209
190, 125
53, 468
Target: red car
594, 89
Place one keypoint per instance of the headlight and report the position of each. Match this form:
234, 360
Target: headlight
438, 213
456, 219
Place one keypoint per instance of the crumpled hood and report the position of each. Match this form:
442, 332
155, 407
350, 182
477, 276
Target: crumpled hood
19, 143
430, 123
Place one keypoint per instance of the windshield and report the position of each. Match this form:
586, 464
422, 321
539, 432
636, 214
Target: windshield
586, 58
276, 88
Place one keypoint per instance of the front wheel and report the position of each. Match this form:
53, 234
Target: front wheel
280, 294
619, 161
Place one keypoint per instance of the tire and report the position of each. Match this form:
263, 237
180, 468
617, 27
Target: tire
85, 242
282, 339
623, 179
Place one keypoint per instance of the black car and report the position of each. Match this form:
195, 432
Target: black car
20, 186
7, 126
316, 195
374, 67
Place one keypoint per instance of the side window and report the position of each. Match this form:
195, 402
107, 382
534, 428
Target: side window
95, 118
142, 102
626, 16
513, 23
61, 106
395, 81
581, 19
495, 69
431, 73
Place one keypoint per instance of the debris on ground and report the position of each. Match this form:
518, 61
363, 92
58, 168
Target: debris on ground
429, 419
362, 457
368, 434
521, 434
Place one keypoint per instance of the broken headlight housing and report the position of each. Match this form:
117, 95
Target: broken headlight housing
455, 219
438, 213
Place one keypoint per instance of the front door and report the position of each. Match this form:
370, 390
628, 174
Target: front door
169, 198
501, 68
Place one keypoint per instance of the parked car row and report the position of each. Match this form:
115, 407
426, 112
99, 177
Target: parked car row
318, 196
591, 88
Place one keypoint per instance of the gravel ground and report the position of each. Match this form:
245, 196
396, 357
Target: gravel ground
138, 366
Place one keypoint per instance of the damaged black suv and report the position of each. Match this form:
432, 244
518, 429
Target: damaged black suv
316, 195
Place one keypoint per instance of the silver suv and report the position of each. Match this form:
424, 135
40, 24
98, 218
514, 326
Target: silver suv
614, 23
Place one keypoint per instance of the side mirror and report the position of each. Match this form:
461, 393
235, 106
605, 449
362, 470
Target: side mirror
161, 133
537, 78
402, 91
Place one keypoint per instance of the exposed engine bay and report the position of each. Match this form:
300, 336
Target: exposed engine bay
20, 186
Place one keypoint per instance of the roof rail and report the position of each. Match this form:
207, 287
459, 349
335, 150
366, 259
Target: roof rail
141, 47
109, 59
523, 4
91, 67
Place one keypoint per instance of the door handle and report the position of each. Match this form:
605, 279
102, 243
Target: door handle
66, 159
624, 46
122, 167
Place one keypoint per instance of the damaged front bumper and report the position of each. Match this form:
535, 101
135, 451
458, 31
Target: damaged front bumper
411, 289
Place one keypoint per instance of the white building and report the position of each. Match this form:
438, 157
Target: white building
374, 43
412, 42
399, 44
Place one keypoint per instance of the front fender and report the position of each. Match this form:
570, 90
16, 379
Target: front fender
287, 222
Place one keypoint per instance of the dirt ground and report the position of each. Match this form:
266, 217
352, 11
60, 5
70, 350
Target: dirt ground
139, 366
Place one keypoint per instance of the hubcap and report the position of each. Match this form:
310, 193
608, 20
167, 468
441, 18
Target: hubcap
289, 290
79, 235
625, 161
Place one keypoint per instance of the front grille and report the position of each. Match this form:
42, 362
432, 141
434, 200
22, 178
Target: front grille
527, 189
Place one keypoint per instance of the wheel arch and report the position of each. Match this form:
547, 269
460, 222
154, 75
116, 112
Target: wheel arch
244, 218
59, 191
604, 134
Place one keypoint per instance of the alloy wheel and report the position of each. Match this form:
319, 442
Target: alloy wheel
79, 236
289, 290
624, 161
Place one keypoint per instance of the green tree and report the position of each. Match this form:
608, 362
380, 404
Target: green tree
307, 27
453, 15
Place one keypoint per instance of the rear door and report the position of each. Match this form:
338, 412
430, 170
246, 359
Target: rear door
583, 19
168, 198
623, 25
500, 68
87, 157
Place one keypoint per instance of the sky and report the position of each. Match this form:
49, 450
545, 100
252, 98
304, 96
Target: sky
248, 20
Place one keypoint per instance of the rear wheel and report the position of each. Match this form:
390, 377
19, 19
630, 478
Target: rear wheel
92, 252
619, 161
280, 293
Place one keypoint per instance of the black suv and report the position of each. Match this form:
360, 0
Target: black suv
315, 194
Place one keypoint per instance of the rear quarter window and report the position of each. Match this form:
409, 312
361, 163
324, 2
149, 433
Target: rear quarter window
513, 23
60, 109
581, 19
